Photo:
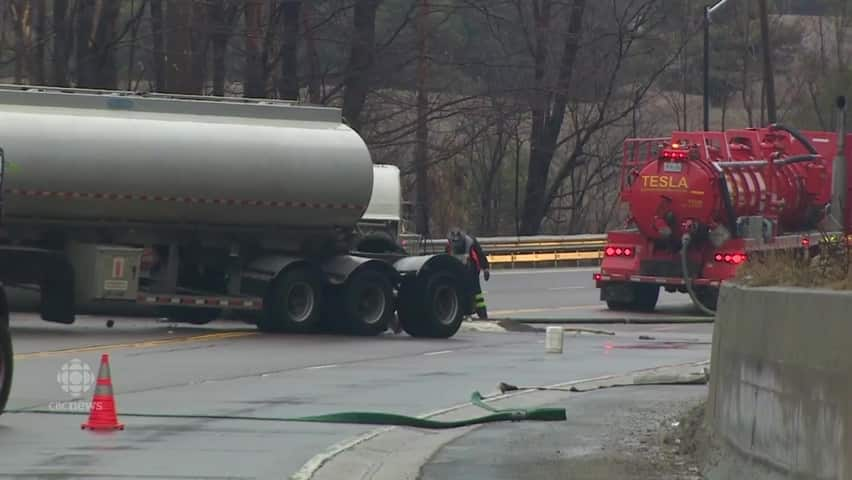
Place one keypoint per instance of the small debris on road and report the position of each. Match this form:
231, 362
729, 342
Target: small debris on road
587, 330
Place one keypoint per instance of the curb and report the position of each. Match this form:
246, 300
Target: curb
603, 321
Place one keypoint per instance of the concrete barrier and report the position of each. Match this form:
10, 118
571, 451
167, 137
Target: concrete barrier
781, 381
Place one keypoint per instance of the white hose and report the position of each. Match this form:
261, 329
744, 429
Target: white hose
687, 279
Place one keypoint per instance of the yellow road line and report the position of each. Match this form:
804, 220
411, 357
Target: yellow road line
540, 310
142, 344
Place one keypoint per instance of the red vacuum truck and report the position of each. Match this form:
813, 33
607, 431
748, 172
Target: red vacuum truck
701, 203
248, 205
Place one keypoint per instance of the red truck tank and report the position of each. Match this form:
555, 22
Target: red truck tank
701, 202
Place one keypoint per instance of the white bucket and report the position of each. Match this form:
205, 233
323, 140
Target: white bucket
553, 340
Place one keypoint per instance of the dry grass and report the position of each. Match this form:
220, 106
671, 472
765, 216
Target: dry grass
830, 267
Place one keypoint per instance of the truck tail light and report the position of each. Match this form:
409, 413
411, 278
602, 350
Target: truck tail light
612, 251
734, 258
598, 277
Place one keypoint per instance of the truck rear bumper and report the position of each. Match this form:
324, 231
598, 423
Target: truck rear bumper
603, 278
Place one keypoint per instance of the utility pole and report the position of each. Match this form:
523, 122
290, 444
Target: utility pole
768, 75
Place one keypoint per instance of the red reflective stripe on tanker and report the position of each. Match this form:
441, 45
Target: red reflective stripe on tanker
190, 200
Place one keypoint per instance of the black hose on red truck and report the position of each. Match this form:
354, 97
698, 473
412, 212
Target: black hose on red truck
687, 279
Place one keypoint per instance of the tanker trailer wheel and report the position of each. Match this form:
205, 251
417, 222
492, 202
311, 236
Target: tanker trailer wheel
431, 307
6, 356
368, 303
293, 302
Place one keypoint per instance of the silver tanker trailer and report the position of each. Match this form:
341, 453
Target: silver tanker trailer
247, 205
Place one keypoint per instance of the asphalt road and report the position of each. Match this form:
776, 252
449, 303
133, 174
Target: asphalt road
561, 293
228, 368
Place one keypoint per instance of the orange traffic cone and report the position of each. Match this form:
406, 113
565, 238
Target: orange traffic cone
102, 414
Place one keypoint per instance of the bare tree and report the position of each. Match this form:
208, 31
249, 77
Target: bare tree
254, 81
289, 86
314, 85
158, 50
179, 71
421, 147
61, 41
223, 15
361, 58
548, 104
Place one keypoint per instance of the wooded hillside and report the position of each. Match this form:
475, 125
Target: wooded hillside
505, 115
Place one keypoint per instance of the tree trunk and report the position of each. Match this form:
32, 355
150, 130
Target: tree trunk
134, 36
421, 146
200, 40
361, 58
314, 84
39, 39
62, 45
254, 86
220, 33
105, 69
547, 126
768, 74
289, 87
85, 59
159, 62
179, 65
21, 24
747, 87
488, 196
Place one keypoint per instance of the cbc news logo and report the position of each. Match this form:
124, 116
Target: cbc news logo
75, 377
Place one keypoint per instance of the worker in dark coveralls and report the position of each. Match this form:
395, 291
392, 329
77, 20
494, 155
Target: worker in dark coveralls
466, 246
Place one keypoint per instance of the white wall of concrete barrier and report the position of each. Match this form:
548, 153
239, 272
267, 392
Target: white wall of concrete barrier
781, 382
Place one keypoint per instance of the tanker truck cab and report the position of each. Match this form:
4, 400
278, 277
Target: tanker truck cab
187, 230
380, 226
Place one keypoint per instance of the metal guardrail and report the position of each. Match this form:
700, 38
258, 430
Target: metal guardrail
535, 251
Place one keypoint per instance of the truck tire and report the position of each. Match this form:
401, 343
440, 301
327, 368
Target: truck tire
433, 311
644, 298
368, 304
6, 355
293, 302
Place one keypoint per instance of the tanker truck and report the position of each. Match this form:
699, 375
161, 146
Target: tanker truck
701, 204
246, 204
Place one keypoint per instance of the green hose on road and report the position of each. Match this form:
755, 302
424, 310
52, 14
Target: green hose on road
367, 418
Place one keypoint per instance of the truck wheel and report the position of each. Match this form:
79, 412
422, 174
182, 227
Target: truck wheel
293, 302
645, 297
617, 305
437, 313
6, 357
368, 303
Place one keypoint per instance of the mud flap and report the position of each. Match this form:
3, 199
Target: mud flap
48, 269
